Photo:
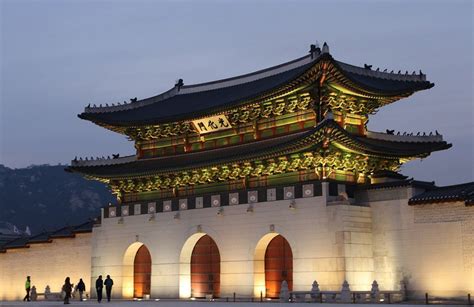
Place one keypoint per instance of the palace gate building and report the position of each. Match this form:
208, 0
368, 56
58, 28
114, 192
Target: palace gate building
241, 183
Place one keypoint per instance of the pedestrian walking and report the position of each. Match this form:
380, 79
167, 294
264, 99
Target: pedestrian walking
81, 287
27, 289
108, 287
67, 288
99, 285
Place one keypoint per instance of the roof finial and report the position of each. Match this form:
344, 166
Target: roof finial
314, 49
325, 48
179, 83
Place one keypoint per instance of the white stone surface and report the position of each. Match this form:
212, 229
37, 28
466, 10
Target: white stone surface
47, 264
429, 246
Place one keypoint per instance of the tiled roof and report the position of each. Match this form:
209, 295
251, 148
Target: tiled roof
397, 184
388, 174
194, 104
384, 82
192, 101
260, 149
47, 237
460, 192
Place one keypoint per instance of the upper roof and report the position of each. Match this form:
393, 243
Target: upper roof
261, 149
193, 101
460, 192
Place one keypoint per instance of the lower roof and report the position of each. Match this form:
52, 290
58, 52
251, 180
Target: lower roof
453, 193
260, 149
48, 236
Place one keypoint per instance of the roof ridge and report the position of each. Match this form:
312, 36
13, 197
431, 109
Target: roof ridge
179, 89
457, 185
367, 71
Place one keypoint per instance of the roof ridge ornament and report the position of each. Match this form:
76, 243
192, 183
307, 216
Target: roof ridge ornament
179, 83
314, 50
325, 48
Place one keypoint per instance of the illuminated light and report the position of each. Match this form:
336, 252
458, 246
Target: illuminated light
157, 299
127, 270
259, 263
382, 300
192, 298
139, 299
135, 299
185, 265
268, 299
211, 124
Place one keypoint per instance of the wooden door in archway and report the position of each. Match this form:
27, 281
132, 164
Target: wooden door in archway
278, 266
205, 268
142, 272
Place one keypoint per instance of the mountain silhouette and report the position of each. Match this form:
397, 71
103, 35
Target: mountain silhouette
45, 197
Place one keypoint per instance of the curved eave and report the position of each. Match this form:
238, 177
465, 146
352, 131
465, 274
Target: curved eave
222, 99
309, 140
389, 89
197, 103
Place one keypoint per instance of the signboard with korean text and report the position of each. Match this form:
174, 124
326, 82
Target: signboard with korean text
211, 124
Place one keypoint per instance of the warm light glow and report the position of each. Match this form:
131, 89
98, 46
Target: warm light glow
259, 264
185, 265
127, 271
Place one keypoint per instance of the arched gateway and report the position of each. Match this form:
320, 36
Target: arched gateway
205, 268
273, 263
278, 266
142, 272
136, 271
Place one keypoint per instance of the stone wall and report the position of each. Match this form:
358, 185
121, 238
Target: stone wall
429, 246
325, 241
47, 264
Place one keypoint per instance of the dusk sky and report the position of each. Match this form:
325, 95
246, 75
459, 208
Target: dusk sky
59, 56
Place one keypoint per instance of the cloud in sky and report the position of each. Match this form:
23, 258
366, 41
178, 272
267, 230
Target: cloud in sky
58, 56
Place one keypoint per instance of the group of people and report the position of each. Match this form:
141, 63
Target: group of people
99, 285
67, 288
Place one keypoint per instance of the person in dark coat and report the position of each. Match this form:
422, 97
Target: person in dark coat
81, 287
67, 288
99, 285
27, 289
108, 287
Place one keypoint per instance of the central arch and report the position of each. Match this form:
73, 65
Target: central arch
278, 266
189, 263
205, 268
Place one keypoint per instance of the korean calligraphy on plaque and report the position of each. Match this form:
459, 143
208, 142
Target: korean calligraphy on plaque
211, 124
